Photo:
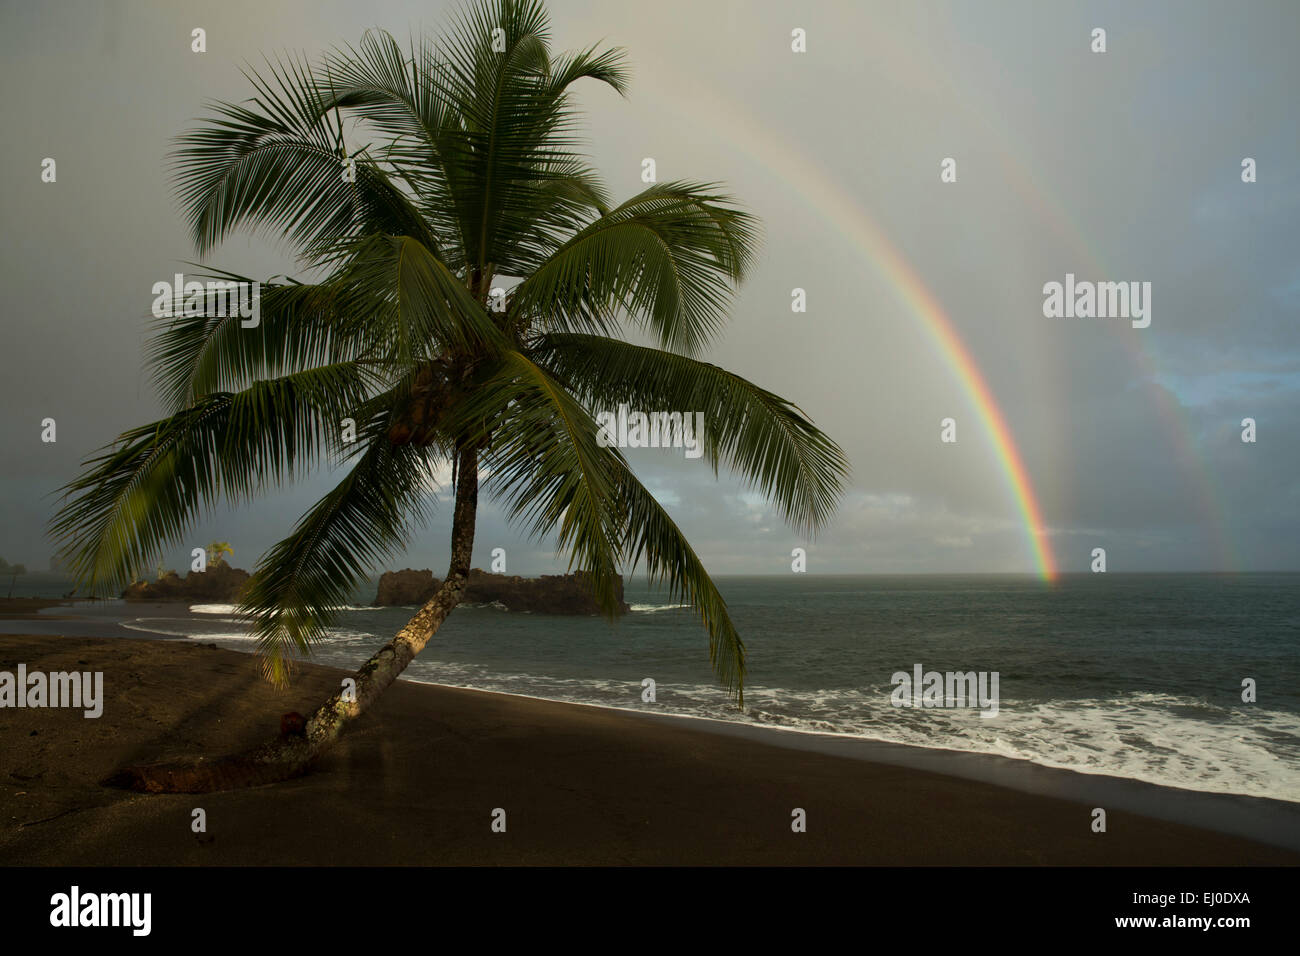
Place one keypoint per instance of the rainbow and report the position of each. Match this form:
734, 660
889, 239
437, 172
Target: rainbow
914, 294
798, 172
909, 287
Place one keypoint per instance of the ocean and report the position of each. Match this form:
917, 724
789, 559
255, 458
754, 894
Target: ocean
1129, 675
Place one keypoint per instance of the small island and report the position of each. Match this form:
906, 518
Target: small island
219, 584
549, 594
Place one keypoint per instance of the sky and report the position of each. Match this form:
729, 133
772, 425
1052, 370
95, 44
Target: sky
1122, 166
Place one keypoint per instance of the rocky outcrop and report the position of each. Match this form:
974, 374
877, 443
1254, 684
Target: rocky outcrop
219, 584
549, 594
399, 588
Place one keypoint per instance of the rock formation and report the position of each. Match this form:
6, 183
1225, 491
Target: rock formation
219, 584
549, 594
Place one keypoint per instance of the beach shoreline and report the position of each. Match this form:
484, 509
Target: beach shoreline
418, 779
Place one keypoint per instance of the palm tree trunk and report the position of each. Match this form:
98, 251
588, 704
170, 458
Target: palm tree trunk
289, 757
382, 669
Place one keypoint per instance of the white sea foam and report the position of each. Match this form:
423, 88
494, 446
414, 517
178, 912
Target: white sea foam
181, 627
213, 608
233, 609
651, 608
177, 628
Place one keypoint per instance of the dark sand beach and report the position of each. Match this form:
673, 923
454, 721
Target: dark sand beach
416, 783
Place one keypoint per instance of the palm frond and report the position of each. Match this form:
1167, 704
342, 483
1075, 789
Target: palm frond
144, 491
544, 464
759, 434
279, 163
300, 326
669, 258
300, 584
648, 532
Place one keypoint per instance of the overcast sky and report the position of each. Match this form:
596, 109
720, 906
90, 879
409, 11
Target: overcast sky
1119, 166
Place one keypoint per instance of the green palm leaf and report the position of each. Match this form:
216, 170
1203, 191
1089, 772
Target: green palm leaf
144, 491
668, 259
760, 435
300, 584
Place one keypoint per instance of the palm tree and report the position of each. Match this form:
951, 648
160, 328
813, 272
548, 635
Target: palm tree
217, 552
464, 182
13, 570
